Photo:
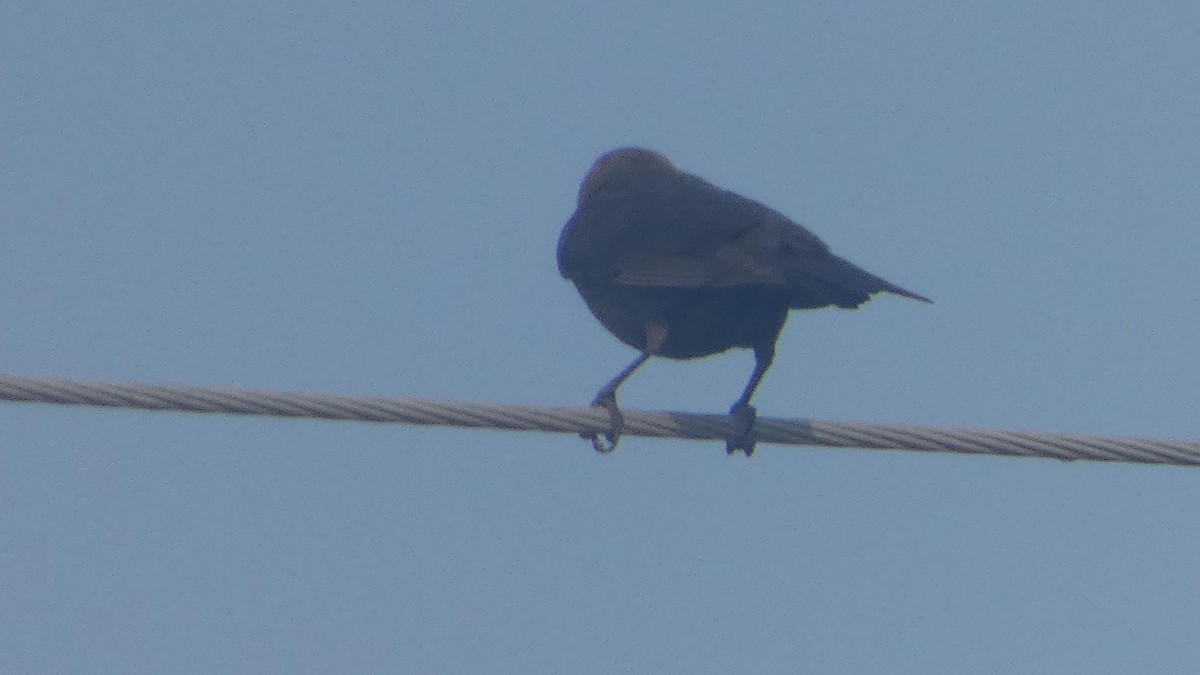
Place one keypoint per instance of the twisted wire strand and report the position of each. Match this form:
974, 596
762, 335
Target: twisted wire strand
592, 420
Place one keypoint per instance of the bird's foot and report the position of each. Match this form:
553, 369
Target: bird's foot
741, 430
607, 399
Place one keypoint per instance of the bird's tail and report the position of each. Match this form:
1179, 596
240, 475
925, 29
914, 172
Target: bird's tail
830, 280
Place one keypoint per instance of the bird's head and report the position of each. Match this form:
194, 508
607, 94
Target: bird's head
621, 164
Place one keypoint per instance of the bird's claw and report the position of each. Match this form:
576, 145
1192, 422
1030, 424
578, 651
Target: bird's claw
616, 422
741, 430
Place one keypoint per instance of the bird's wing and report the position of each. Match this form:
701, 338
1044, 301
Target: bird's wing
678, 271
769, 252
700, 236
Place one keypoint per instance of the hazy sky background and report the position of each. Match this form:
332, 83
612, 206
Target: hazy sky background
365, 198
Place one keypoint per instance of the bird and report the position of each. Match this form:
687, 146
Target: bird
677, 267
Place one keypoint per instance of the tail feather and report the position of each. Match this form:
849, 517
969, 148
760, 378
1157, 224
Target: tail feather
830, 280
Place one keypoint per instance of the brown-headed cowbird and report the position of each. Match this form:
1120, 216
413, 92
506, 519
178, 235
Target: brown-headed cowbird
675, 266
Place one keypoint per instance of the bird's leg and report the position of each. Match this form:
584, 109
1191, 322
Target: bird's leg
607, 398
742, 415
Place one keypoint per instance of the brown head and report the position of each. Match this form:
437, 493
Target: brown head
621, 163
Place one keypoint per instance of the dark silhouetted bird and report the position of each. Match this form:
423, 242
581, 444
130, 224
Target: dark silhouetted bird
675, 266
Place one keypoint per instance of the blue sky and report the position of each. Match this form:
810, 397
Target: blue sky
365, 199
